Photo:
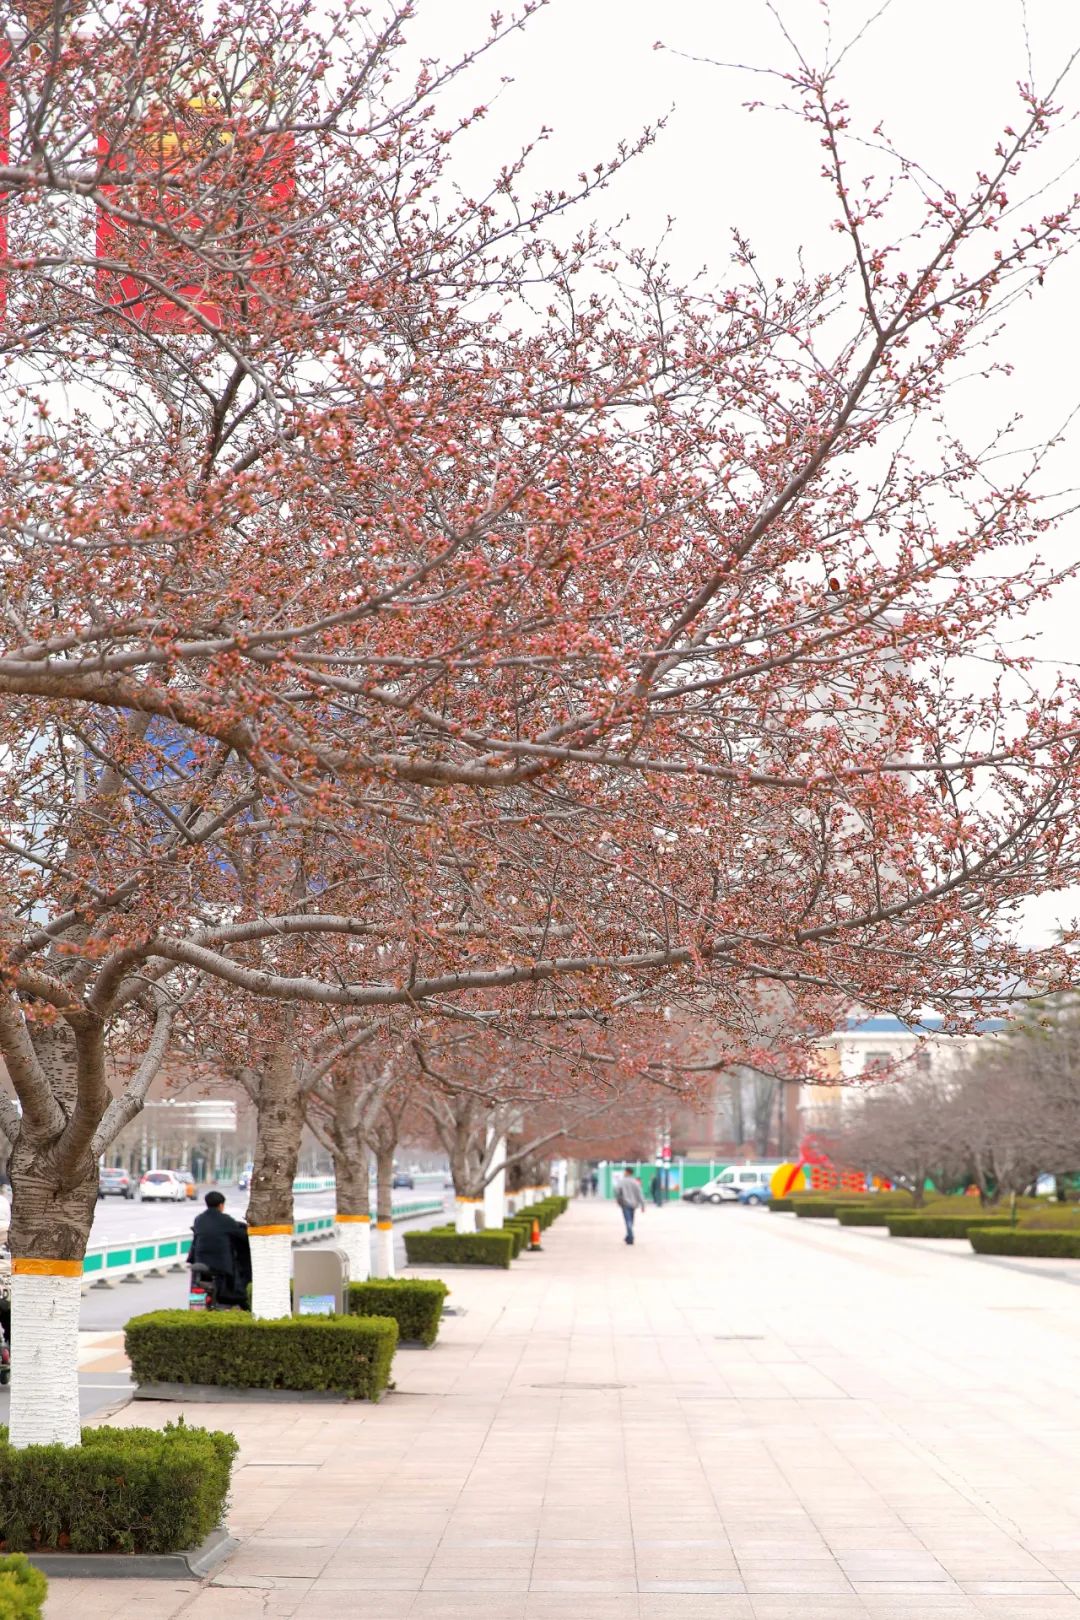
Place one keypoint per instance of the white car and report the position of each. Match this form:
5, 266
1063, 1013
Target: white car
739, 1184
162, 1184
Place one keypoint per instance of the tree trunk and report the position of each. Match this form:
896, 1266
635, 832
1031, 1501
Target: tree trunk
352, 1194
495, 1191
51, 1216
384, 1212
270, 1205
468, 1197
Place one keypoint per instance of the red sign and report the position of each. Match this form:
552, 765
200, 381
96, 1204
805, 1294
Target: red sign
146, 232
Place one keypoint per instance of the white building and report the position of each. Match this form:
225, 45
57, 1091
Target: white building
884, 1046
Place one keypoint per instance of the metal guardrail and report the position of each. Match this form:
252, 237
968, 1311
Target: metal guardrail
111, 1262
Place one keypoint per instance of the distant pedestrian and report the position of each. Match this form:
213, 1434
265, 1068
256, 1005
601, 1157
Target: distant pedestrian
658, 1188
594, 1183
630, 1198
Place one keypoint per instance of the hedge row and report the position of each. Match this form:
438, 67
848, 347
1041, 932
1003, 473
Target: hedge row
414, 1303
942, 1226
1031, 1241
349, 1354
122, 1490
441, 1246
23, 1589
865, 1215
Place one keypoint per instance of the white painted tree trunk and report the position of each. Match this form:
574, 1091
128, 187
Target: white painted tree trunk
45, 1357
353, 1233
494, 1192
271, 1271
465, 1214
384, 1249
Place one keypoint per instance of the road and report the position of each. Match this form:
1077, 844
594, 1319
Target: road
105, 1310
117, 1219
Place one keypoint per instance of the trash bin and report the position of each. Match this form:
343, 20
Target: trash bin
320, 1278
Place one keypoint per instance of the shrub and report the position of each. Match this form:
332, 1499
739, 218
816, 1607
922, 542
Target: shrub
1052, 1217
814, 1209
937, 1225
519, 1231
447, 1247
415, 1304
22, 1589
122, 1490
781, 1205
351, 1354
865, 1214
1063, 1244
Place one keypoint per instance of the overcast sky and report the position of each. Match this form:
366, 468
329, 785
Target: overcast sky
941, 74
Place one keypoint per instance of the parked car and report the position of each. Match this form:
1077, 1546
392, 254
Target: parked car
163, 1184
402, 1178
114, 1179
738, 1184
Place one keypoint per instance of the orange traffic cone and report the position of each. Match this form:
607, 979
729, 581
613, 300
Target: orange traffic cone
534, 1240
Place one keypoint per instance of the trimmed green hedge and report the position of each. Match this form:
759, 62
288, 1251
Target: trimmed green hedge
519, 1230
414, 1303
817, 1209
1032, 1241
780, 1206
942, 1226
351, 1354
445, 1247
23, 1589
865, 1214
122, 1490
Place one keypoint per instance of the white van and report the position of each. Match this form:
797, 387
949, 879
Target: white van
738, 1184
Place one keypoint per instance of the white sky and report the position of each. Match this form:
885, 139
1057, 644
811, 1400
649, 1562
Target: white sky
941, 74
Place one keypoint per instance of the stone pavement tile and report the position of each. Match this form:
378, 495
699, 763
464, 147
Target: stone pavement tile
1021, 1589
353, 1605
1033, 1608
814, 1583
804, 1608
458, 1606
100, 1600
546, 1606
691, 1608
216, 1603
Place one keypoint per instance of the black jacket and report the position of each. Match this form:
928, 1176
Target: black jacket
213, 1242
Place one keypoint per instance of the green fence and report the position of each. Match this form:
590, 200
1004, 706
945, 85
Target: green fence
679, 1176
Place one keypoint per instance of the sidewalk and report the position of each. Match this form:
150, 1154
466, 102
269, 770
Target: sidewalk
744, 1417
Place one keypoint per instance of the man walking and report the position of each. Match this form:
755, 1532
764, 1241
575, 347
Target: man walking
630, 1198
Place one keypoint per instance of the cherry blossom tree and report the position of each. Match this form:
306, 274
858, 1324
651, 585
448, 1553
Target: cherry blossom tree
412, 599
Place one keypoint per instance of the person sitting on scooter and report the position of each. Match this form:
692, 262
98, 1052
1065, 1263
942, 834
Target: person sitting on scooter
213, 1245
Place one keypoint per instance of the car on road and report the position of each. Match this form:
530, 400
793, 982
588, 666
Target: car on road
115, 1179
402, 1178
738, 1184
163, 1184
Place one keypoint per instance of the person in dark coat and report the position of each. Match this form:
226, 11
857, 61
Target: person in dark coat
215, 1245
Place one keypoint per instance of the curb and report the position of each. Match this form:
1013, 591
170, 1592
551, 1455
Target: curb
195, 1564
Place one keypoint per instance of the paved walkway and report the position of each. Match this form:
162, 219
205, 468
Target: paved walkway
744, 1417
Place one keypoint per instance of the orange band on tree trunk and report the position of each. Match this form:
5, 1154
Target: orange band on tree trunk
385, 1226
269, 1231
342, 1218
47, 1268
463, 1200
